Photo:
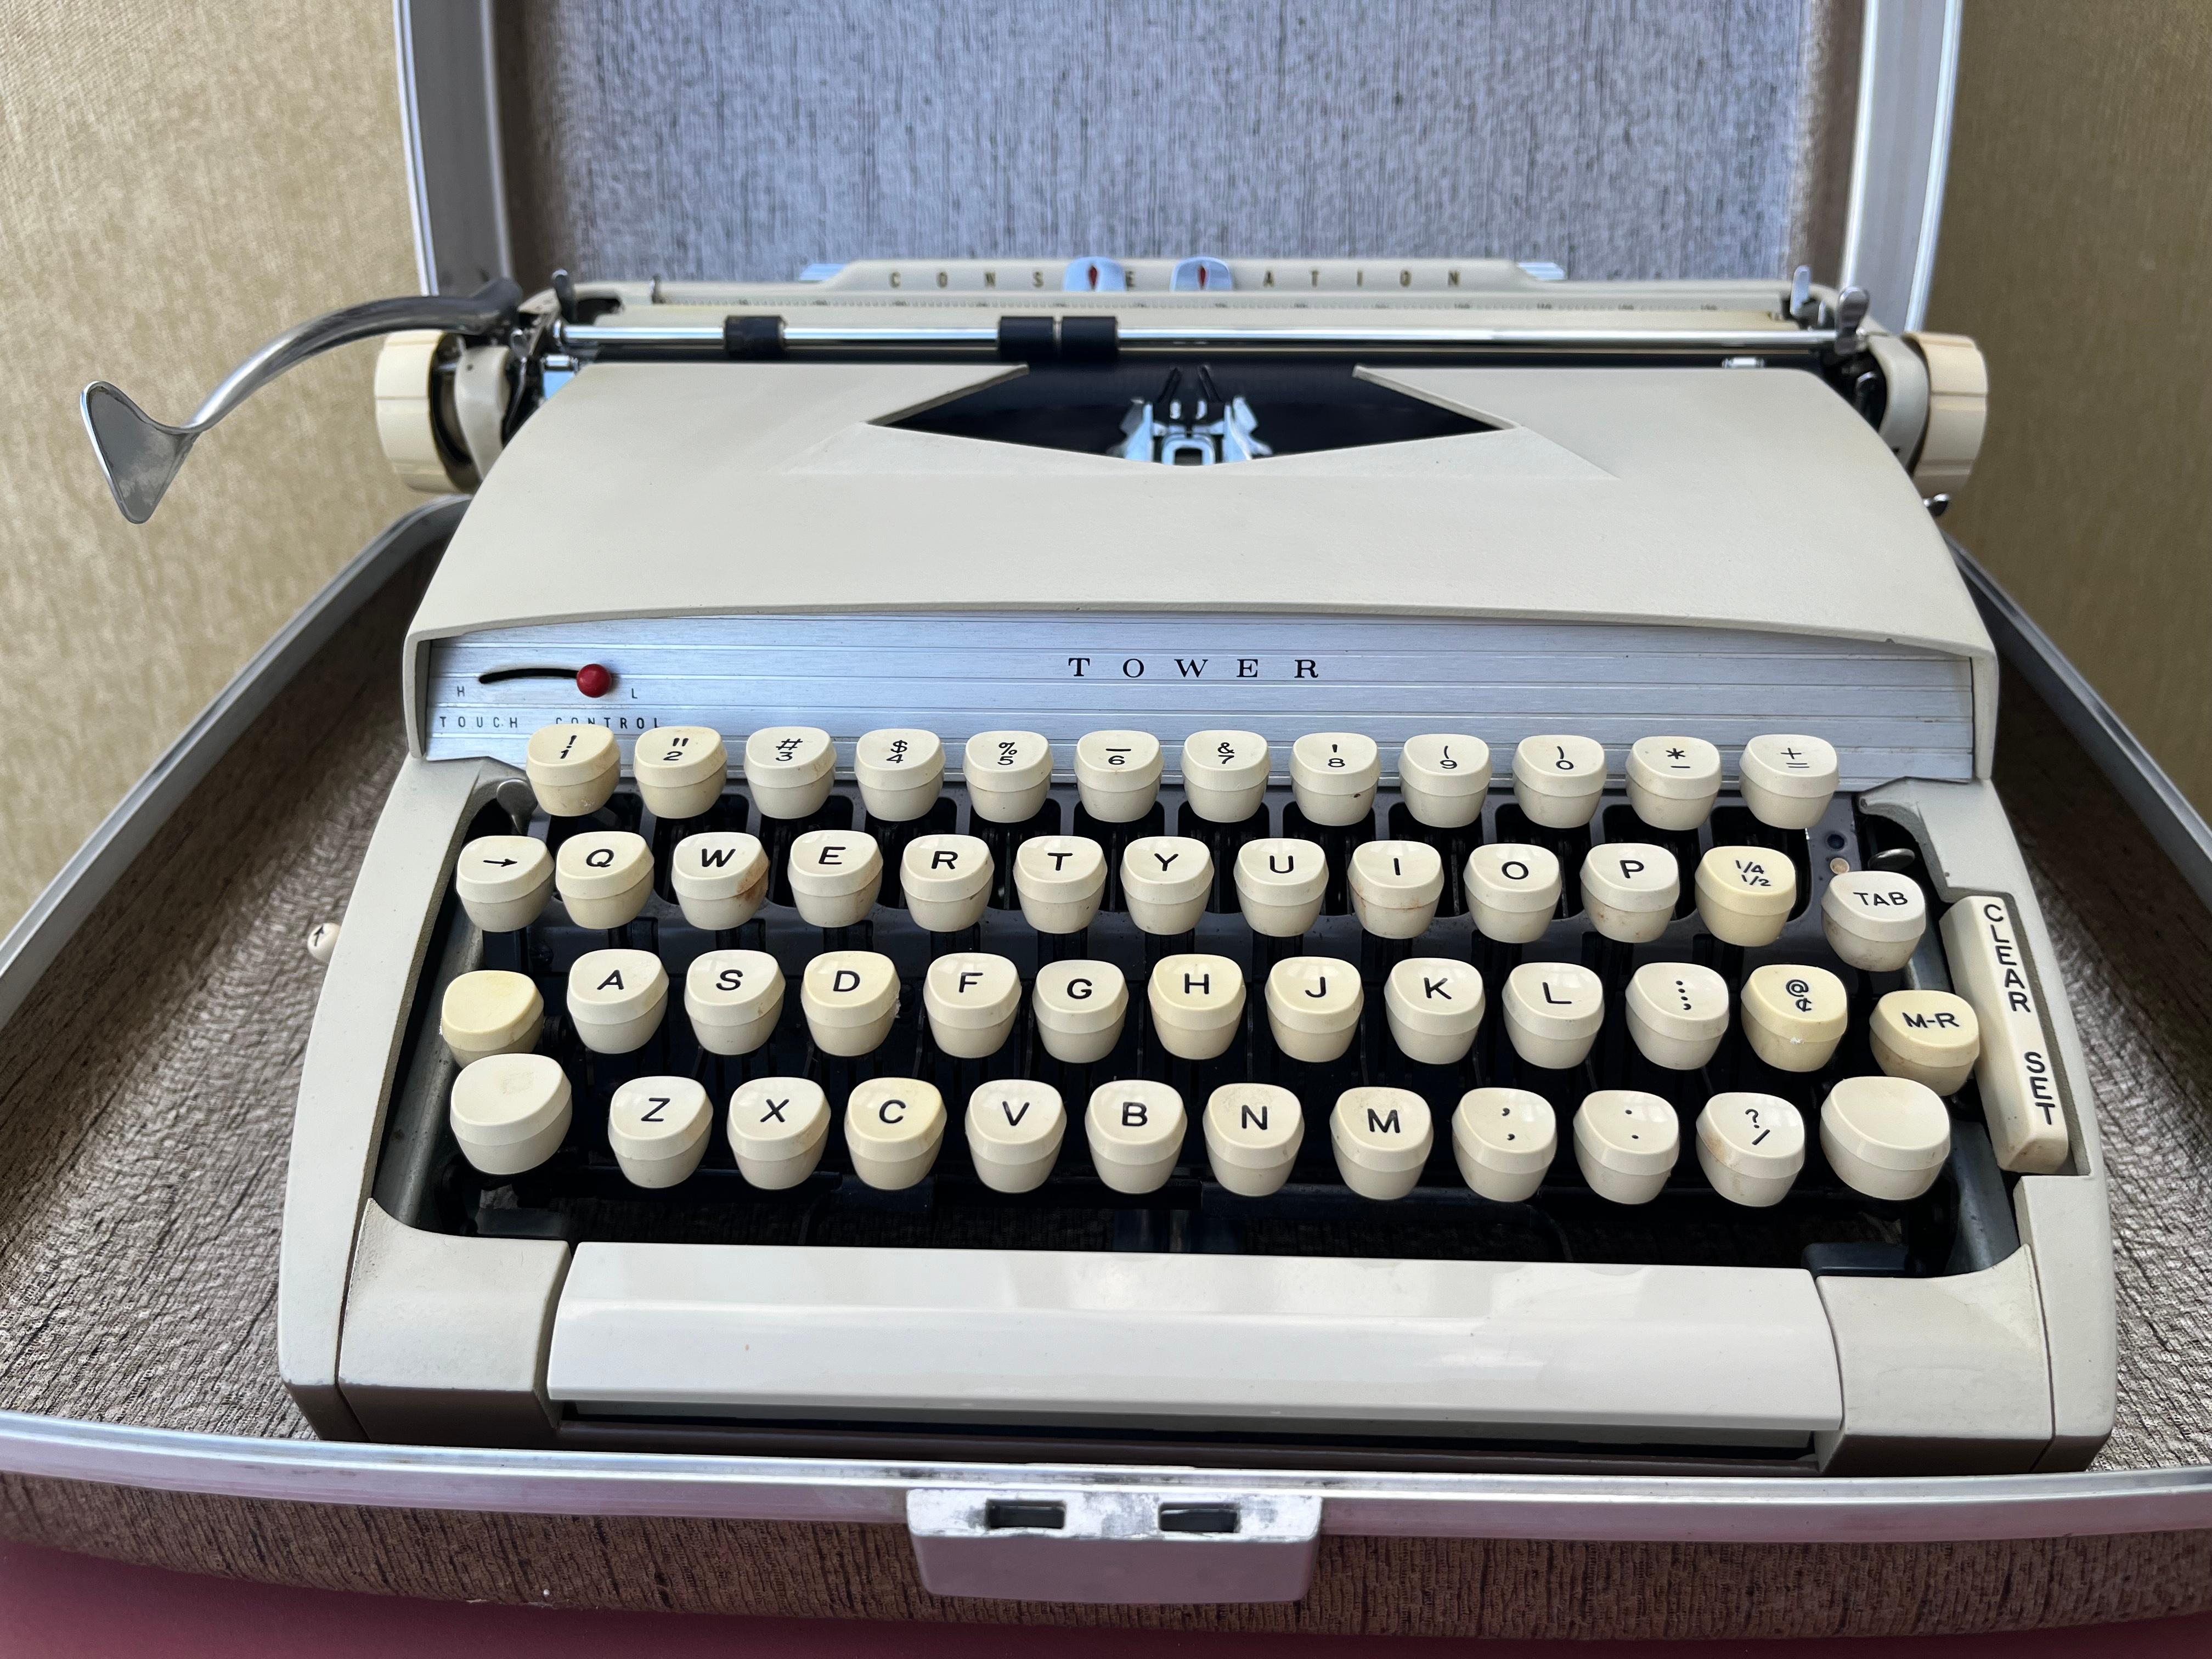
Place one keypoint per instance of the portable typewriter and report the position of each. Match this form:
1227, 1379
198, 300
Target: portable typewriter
1327, 863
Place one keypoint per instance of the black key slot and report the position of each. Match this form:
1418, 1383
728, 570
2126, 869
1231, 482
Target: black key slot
1570, 847
1114, 841
893, 838
1005, 840
1337, 843
1223, 843
1452, 846
776, 836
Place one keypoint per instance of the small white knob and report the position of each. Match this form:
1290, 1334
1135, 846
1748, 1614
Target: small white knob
323, 942
1313, 1006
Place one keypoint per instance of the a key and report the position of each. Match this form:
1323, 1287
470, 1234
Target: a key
1443, 777
572, 769
1744, 894
789, 769
1751, 1147
945, 881
1874, 919
1009, 773
1059, 880
680, 770
604, 876
1513, 891
1674, 781
1382, 1138
1253, 1134
616, 999
971, 999
893, 1128
778, 1127
1788, 781
1224, 774
1117, 774
2017, 1079
1626, 1142
1279, 884
1933, 1037
1886, 1137
1559, 780
1313, 1006
658, 1127
1165, 881
510, 1112
1677, 1012
1795, 1015
720, 878
1435, 1006
490, 1011
1504, 1140
1197, 1002
850, 999
835, 875
1333, 776
1014, 1131
1395, 886
503, 881
1135, 1127
1552, 1012
1079, 1008
901, 772
734, 999
1629, 889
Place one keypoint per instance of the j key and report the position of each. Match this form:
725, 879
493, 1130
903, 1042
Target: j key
1313, 1006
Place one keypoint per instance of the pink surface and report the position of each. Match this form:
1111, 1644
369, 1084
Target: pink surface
76, 1607
58, 1606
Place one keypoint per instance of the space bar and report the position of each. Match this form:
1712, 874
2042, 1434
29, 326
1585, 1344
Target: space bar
1681, 1353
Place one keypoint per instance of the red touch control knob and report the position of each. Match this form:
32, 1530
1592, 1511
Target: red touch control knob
594, 681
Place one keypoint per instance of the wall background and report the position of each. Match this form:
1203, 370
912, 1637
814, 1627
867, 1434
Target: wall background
2076, 247
179, 182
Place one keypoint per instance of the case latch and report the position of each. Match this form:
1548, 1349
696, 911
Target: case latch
1113, 1544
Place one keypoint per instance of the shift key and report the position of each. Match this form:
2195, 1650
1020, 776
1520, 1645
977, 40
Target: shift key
2018, 1077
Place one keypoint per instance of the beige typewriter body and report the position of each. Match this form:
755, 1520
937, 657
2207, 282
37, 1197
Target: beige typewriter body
1704, 540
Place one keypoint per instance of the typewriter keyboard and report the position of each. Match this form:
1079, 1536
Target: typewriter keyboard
1158, 999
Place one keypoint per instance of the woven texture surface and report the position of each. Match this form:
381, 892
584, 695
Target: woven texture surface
684, 139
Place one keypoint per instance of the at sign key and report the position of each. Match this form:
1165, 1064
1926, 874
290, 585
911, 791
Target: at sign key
2018, 1077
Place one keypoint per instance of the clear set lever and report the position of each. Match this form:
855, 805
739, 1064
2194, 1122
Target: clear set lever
140, 456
